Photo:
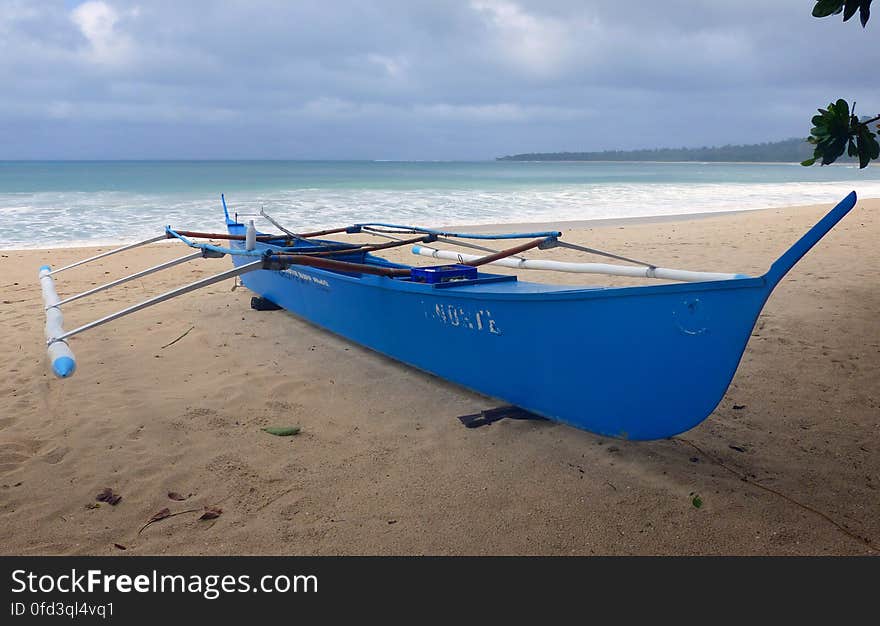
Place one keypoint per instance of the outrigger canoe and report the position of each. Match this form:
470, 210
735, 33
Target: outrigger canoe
639, 362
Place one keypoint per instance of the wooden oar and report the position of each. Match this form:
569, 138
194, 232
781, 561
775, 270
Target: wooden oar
321, 233
339, 266
501, 254
288, 258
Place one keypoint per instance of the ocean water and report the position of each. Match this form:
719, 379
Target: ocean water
57, 204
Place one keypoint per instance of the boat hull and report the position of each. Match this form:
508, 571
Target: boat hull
636, 365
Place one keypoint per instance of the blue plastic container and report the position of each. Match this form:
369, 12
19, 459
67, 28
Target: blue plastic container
443, 273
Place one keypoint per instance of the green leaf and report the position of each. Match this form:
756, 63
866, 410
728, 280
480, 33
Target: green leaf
697, 501
868, 148
866, 145
872, 141
837, 130
833, 151
282, 431
824, 8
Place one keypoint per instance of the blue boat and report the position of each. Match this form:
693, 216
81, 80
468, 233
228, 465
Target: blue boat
640, 362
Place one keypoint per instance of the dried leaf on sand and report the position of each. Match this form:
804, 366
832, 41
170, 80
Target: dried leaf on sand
160, 515
211, 512
108, 496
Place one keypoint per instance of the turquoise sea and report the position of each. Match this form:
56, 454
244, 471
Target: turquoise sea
61, 203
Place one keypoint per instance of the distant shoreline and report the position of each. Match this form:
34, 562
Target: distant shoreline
608, 162
504, 160
793, 150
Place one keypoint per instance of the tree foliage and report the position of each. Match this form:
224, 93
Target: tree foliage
824, 8
837, 129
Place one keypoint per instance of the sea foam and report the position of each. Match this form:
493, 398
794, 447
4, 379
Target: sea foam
46, 219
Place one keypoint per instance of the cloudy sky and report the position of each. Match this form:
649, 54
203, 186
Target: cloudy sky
470, 79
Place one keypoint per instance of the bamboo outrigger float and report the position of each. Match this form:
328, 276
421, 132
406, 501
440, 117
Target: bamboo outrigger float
641, 362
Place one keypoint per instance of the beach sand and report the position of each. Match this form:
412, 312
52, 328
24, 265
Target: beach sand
789, 463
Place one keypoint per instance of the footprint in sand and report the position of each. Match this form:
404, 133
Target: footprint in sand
10, 461
55, 455
14, 453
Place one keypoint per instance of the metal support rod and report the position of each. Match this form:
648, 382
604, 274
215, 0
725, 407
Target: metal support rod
289, 233
216, 278
572, 246
276, 224
102, 255
125, 279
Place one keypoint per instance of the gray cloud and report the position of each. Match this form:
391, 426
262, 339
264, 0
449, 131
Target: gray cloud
394, 79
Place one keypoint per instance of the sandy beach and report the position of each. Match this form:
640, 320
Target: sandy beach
788, 464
